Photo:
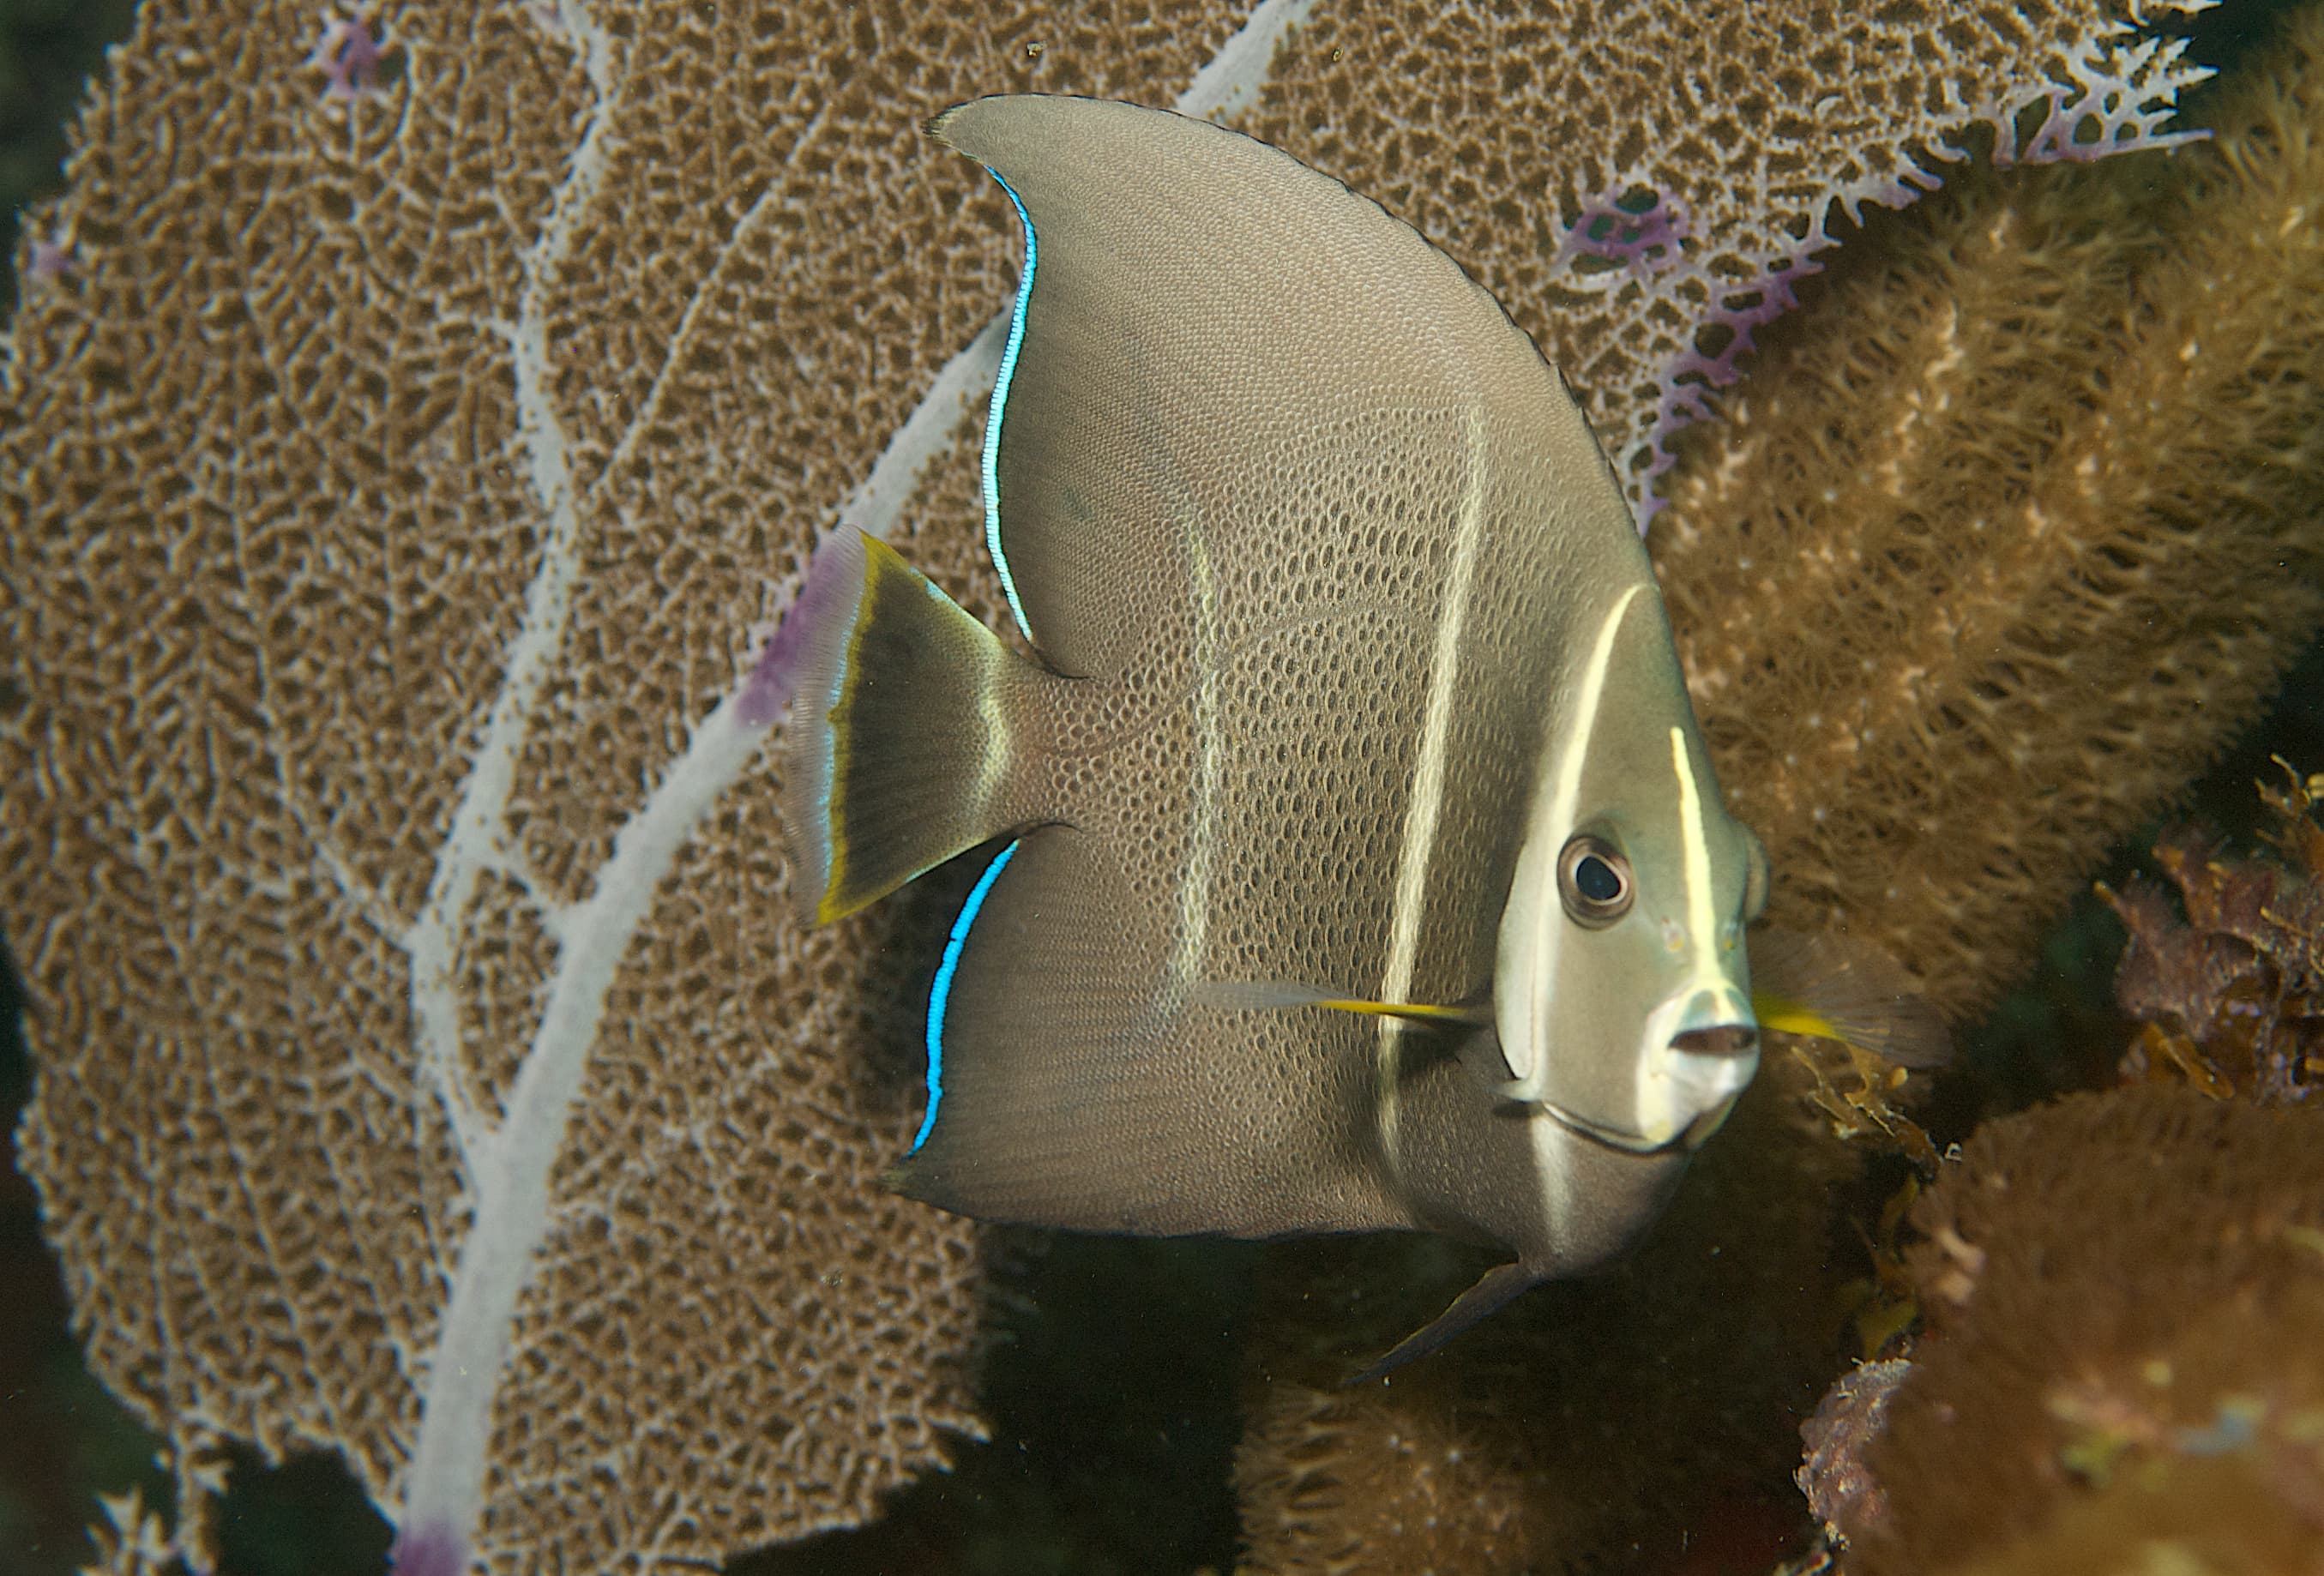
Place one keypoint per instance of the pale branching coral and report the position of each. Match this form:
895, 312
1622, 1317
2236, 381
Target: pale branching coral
2124, 1364
2004, 545
1645, 184
428, 1068
133, 1540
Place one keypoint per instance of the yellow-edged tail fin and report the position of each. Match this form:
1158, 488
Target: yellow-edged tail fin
1840, 989
897, 745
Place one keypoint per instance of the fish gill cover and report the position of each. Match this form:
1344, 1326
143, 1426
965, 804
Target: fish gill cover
408, 418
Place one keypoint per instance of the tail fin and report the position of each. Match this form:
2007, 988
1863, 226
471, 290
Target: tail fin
897, 745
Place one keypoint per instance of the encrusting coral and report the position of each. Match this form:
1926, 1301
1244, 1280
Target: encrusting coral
2002, 542
2076, 1410
2123, 1369
2232, 999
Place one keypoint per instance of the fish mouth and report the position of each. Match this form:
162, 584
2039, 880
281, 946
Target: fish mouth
1620, 1139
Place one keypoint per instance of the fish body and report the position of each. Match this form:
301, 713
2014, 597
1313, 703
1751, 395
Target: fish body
1351, 674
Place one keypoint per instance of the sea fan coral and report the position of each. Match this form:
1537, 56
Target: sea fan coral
428, 1068
2123, 1361
1645, 185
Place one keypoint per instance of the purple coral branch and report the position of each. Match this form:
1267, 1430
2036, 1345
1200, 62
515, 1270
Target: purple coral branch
434, 1550
51, 260
1632, 227
1688, 382
350, 56
774, 676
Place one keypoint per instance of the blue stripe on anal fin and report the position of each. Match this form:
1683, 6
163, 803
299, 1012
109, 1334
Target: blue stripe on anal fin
942, 991
992, 467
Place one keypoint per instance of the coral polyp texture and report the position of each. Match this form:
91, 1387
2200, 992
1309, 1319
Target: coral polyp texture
2015, 531
2123, 1369
1645, 184
428, 1069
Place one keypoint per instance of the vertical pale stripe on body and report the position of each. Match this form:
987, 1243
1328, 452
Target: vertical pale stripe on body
1195, 887
1571, 749
1427, 805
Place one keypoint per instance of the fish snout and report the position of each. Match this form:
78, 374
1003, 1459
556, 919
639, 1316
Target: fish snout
1719, 1040
1702, 1048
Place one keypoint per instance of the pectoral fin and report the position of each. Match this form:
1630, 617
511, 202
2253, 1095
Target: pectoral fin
1840, 989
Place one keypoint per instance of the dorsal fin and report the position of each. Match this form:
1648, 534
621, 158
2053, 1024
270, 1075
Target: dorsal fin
1210, 342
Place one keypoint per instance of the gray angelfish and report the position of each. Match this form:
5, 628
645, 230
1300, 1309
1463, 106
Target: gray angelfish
1356, 863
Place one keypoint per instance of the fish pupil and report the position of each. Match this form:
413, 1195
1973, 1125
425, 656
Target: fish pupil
1596, 880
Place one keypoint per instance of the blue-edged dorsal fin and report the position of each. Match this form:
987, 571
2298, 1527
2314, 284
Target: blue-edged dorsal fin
1214, 345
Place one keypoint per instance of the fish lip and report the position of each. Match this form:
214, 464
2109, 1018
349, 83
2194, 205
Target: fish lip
1618, 1140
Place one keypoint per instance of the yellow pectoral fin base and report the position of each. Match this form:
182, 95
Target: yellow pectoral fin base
1276, 995
1785, 1016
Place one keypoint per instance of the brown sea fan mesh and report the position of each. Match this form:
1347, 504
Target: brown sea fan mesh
393, 480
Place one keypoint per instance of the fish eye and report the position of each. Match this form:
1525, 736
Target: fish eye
1594, 880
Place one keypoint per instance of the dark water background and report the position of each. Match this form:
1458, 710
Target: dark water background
1112, 1389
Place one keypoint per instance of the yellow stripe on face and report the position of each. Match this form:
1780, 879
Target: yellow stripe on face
1534, 925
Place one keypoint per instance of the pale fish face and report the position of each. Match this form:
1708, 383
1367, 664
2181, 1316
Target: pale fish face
1623, 994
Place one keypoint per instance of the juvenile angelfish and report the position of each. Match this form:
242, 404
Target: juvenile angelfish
1353, 860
